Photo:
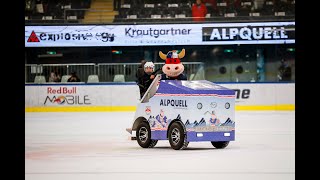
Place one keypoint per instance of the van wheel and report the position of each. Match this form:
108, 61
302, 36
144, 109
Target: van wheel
143, 135
177, 136
153, 143
220, 144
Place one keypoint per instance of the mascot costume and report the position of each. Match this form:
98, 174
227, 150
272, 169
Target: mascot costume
173, 68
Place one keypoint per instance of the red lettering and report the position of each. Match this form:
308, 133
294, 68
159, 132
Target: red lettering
65, 90
62, 90
49, 90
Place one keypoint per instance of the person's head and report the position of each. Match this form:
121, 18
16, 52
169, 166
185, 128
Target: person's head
149, 67
73, 74
198, 2
52, 74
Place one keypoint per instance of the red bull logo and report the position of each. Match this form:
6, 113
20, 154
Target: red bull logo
62, 90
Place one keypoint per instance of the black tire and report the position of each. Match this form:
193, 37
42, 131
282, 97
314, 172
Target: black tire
153, 143
220, 144
143, 135
177, 136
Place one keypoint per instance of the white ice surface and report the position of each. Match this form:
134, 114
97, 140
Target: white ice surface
94, 146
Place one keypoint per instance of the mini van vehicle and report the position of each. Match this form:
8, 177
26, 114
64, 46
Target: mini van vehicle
184, 111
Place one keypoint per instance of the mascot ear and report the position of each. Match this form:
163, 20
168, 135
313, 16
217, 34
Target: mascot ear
162, 56
182, 53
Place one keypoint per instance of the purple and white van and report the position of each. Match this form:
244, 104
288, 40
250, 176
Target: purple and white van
184, 111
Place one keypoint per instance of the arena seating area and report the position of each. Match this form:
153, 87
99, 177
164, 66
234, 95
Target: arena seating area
53, 11
61, 11
180, 10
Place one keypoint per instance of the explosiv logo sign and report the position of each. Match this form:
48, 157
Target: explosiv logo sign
33, 37
100, 36
70, 36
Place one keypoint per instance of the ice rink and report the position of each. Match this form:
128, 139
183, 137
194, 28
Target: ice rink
95, 145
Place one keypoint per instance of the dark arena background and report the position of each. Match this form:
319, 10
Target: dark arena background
77, 130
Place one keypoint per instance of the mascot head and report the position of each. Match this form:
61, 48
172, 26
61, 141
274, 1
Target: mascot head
173, 66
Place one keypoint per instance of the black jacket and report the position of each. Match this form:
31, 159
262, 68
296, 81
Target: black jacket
140, 72
146, 81
74, 79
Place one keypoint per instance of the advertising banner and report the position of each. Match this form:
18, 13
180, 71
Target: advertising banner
248, 96
160, 35
81, 95
263, 93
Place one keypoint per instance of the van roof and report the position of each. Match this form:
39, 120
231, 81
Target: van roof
192, 87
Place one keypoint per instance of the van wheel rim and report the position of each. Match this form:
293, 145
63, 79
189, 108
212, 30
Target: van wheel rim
175, 136
143, 134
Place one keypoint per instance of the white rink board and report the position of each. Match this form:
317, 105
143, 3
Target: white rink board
81, 95
265, 93
128, 95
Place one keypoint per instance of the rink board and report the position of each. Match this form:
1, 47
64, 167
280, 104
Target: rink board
108, 97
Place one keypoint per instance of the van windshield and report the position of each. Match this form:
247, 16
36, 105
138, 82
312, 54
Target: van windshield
152, 89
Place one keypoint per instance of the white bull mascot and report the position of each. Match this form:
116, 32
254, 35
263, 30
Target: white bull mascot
173, 68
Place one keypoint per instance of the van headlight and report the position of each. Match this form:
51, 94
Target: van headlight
227, 105
199, 105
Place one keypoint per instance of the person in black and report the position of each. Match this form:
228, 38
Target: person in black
147, 78
284, 71
140, 72
74, 77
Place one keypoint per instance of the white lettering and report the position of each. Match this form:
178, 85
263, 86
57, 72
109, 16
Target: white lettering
267, 33
275, 33
215, 34
224, 34
282, 33
233, 32
246, 35
257, 35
